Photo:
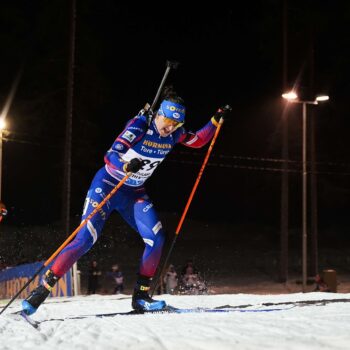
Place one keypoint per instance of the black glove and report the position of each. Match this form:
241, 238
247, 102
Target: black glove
222, 112
133, 166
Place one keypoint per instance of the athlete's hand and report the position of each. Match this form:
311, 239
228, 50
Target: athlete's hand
222, 112
133, 166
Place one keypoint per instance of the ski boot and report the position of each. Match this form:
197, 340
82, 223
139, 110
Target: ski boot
141, 301
39, 294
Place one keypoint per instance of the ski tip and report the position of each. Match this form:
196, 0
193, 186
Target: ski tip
33, 323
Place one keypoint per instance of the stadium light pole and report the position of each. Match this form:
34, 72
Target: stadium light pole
2, 126
291, 96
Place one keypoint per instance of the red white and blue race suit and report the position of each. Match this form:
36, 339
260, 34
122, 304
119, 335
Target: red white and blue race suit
138, 140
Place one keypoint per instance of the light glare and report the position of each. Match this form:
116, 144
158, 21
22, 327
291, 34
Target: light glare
322, 98
2, 123
291, 95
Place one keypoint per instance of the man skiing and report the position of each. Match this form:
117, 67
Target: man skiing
138, 150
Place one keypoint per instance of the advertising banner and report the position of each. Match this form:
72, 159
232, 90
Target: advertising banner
13, 279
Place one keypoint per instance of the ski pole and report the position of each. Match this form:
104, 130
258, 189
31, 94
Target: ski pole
149, 109
221, 121
65, 243
169, 65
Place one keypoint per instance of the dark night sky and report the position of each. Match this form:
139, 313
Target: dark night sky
227, 55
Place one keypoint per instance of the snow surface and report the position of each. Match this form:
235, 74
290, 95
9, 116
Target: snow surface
301, 327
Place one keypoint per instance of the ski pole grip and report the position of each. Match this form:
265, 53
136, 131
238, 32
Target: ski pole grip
172, 64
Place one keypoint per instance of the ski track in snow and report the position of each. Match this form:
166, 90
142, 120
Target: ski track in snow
301, 327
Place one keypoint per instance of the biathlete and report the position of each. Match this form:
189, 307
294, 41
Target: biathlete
138, 150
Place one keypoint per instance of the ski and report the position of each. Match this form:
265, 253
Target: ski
319, 302
300, 303
168, 310
244, 308
33, 323
20, 315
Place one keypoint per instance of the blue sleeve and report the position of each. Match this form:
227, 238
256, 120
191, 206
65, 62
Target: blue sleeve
134, 131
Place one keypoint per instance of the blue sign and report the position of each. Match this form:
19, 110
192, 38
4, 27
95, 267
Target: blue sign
13, 279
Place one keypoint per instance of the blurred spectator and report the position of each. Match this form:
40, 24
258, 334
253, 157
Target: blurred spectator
321, 285
190, 278
2, 263
189, 263
3, 210
93, 277
192, 283
170, 280
118, 278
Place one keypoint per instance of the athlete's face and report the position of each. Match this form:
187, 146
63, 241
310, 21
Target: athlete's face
166, 126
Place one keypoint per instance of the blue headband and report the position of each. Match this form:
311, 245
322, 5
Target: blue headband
172, 110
